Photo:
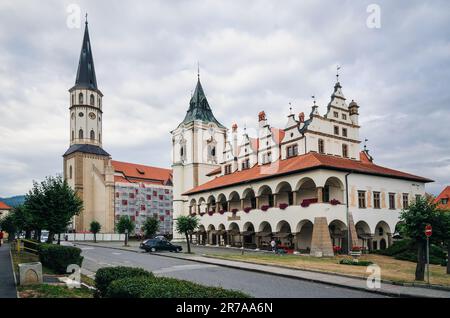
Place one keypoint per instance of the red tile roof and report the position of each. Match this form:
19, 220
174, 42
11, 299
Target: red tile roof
139, 173
278, 134
445, 194
4, 206
214, 172
302, 163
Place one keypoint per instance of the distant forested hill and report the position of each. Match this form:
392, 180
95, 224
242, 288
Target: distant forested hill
14, 201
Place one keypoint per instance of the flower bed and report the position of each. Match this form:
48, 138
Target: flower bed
283, 206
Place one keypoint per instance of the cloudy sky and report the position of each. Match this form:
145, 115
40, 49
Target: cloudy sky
254, 55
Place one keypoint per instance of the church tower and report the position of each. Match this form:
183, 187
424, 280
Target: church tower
198, 144
87, 166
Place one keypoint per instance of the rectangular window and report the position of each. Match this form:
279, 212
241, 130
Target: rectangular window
376, 200
392, 201
124, 202
336, 130
227, 169
405, 200
336, 114
245, 164
291, 151
131, 195
418, 197
344, 116
344, 132
362, 199
444, 201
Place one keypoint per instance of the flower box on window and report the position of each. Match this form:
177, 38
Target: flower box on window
201, 213
210, 213
234, 211
265, 207
306, 202
335, 202
283, 206
247, 209
222, 211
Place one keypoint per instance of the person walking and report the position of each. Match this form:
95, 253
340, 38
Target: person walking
273, 244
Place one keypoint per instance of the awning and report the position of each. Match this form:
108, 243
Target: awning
262, 234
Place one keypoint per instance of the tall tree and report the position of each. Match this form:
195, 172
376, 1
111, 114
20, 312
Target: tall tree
95, 228
415, 218
125, 223
150, 227
187, 225
7, 224
53, 204
23, 220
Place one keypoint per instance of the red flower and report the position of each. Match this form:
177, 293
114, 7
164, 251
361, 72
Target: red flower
234, 210
222, 211
335, 202
283, 206
265, 207
247, 209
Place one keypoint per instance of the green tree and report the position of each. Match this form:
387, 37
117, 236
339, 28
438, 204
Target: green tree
53, 204
23, 220
125, 223
150, 227
8, 225
187, 225
441, 230
418, 215
95, 228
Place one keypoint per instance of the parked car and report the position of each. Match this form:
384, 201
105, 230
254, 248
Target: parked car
154, 245
44, 236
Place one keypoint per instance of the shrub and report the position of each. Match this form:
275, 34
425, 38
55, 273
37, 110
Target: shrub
163, 287
105, 276
407, 251
347, 261
58, 257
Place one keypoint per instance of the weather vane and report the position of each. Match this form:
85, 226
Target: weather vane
314, 99
365, 143
337, 72
290, 108
198, 69
86, 17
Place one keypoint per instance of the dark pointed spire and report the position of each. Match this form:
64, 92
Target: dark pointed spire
86, 71
199, 108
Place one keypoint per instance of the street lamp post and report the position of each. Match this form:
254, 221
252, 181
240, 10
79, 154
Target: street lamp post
126, 237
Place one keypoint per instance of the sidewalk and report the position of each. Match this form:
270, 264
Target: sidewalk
330, 279
7, 281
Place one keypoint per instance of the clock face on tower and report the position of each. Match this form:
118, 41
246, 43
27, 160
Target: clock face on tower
91, 115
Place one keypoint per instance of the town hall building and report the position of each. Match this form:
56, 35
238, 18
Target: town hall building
307, 185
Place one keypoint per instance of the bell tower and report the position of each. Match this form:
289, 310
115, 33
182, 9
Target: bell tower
87, 166
198, 144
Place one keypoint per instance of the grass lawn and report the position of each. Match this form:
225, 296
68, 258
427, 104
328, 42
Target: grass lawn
48, 290
391, 269
53, 291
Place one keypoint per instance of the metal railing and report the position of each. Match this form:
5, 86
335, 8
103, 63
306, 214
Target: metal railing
20, 245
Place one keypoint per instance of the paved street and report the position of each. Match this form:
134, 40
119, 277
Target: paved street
7, 284
255, 284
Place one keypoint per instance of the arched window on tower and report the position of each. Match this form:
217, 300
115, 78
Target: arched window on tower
73, 135
92, 135
70, 172
99, 137
344, 151
80, 134
321, 146
99, 102
80, 98
73, 99
92, 101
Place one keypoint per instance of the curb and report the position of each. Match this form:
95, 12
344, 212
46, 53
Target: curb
382, 292
14, 272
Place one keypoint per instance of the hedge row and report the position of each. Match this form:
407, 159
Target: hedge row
105, 276
129, 282
59, 257
164, 287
